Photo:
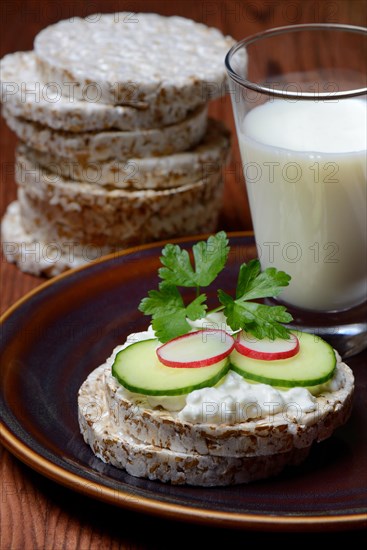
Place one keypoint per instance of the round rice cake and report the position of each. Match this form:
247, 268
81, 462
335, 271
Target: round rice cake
113, 445
31, 255
276, 433
27, 95
95, 146
141, 59
163, 172
57, 209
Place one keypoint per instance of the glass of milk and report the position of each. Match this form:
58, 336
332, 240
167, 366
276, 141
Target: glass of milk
299, 96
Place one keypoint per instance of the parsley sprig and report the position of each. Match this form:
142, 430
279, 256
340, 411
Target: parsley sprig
170, 314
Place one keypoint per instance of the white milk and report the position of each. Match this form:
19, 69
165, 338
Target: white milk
305, 169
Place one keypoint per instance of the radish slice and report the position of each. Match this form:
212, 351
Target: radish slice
196, 349
266, 349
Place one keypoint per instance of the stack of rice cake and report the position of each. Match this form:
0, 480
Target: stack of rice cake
116, 146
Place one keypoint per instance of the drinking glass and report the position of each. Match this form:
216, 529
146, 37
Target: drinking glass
299, 96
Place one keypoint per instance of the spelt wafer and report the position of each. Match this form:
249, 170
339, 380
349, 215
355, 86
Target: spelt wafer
141, 59
57, 209
162, 172
28, 95
110, 144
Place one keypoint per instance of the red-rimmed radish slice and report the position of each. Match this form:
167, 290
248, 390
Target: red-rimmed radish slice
196, 349
266, 349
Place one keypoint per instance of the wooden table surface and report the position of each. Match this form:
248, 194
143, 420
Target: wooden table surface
36, 513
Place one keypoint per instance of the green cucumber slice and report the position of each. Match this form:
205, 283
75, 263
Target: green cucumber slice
314, 364
138, 369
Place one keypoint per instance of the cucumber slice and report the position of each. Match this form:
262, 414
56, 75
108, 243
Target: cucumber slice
314, 364
138, 369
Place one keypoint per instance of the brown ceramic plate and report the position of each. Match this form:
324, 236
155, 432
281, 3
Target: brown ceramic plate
56, 335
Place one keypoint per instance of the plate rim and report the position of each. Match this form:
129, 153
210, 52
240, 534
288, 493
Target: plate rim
170, 510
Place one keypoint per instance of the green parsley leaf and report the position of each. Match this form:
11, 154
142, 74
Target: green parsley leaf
247, 275
258, 319
159, 302
178, 269
252, 284
169, 312
171, 325
196, 310
210, 258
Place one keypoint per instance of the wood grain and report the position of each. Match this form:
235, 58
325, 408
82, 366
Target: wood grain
36, 513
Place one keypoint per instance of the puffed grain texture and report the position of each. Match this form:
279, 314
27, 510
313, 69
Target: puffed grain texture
276, 433
56, 209
35, 256
28, 95
111, 144
160, 172
141, 59
115, 446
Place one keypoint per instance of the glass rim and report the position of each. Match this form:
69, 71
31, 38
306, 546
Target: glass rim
289, 94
